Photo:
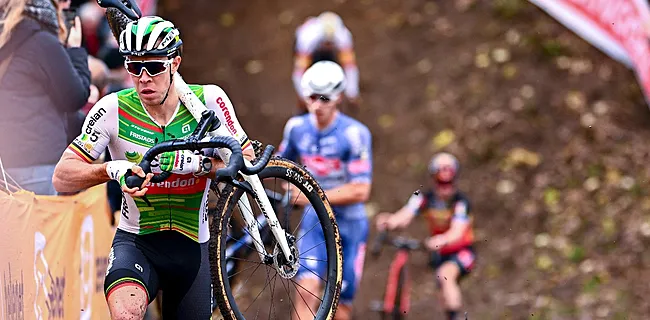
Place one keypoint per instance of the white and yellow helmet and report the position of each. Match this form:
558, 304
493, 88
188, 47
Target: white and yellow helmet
331, 23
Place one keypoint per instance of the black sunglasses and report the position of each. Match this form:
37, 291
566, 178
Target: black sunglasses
153, 67
320, 97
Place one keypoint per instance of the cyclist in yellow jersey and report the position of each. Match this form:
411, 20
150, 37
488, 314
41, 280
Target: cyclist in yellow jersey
162, 245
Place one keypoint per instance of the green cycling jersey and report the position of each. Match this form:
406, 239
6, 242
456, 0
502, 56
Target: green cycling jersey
120, 123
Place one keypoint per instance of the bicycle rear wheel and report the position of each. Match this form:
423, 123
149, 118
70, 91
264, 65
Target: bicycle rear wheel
267, 289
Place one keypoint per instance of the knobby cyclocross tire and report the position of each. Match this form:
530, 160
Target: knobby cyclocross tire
296, 175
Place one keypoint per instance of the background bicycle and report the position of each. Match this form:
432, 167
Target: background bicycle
396, 300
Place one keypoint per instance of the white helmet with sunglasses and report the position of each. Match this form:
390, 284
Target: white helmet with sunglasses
150, 36
325, 79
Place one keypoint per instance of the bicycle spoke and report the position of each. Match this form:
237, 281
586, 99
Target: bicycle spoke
296, 285
296, 200
308, 231
247, 260
287, 290
244, 285
301, 219
271, 309
258, 295
287, 216
312, 247
310, 270
314, 259
243, 243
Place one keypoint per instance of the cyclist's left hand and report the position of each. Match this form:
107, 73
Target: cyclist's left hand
180, 162
436, 242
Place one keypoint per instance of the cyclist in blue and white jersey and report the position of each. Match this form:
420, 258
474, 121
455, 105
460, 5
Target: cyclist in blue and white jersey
337, 150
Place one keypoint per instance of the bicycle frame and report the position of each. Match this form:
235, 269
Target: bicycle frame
196, 107
398, 268
397, 264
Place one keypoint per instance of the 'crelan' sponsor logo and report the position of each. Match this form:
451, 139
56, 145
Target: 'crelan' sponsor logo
182, 183
93, 120
142, 138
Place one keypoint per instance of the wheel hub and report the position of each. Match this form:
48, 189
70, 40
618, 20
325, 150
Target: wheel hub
286, 269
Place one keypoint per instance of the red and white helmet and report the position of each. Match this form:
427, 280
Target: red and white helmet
444, 167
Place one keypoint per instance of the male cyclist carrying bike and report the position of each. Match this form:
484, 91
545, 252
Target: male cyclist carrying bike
325, 38
163, 243
336, 149
447, 212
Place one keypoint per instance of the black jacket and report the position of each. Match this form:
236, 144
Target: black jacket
43, 81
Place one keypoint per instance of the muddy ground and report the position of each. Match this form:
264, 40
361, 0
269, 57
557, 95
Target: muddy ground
551, 133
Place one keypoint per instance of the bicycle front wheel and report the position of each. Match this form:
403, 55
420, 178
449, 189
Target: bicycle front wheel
272, 288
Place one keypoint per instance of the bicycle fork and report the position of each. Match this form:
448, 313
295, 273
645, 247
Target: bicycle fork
267, 210
265, 205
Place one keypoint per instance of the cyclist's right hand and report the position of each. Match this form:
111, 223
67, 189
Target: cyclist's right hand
117, 170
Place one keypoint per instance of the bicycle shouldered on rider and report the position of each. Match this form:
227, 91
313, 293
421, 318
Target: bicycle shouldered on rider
447, 212
162, 245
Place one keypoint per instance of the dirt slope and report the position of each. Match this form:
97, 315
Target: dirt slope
552, 135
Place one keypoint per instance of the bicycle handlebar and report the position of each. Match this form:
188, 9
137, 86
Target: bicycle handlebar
193, 142
398, 242
234, 165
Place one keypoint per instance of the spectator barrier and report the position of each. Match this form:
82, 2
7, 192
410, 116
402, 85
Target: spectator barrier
54, 252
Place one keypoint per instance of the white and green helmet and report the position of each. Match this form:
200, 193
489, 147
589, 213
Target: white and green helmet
150, 36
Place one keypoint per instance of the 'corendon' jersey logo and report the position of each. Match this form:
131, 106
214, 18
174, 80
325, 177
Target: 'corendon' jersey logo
226, 114
178, 184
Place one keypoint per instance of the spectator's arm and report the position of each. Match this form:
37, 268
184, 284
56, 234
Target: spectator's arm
66, 71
